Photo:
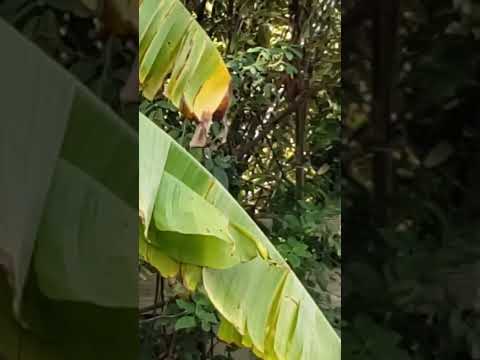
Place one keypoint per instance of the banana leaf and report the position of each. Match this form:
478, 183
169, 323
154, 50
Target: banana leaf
189, 221
196, 222
68, 224
174, 47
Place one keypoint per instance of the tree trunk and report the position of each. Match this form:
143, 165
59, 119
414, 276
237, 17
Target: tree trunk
298, 85
386, 19
300, 123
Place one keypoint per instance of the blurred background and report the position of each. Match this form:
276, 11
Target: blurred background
410, 76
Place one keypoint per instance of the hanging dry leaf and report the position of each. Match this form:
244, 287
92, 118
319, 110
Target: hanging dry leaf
175, 49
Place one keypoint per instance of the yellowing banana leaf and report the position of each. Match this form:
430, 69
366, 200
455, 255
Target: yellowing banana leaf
196, 222
151, 254
192, 275
173, 46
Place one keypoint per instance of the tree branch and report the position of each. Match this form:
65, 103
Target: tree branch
246, 148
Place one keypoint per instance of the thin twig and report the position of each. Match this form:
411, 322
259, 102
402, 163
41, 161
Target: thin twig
245, 149
157, 317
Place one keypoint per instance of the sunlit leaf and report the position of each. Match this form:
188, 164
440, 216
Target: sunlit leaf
185, 322
174, 47
262, 303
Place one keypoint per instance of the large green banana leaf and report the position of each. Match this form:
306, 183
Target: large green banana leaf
68, 221
196, 222
191, 225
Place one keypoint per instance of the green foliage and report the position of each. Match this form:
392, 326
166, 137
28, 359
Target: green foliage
260, 172
198, 312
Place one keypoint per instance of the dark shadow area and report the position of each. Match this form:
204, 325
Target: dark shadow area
411, 180
68, 182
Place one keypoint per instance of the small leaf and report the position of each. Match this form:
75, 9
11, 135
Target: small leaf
221, 175
295, 243
185, 305
302, 251
294, 260
215, 129
185, 322
323, 169
201, 299
296, 52
209, 163
206, 316
206, 326
284, 249
291, 221
255, 49
438, 155
223, 161
290, 69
